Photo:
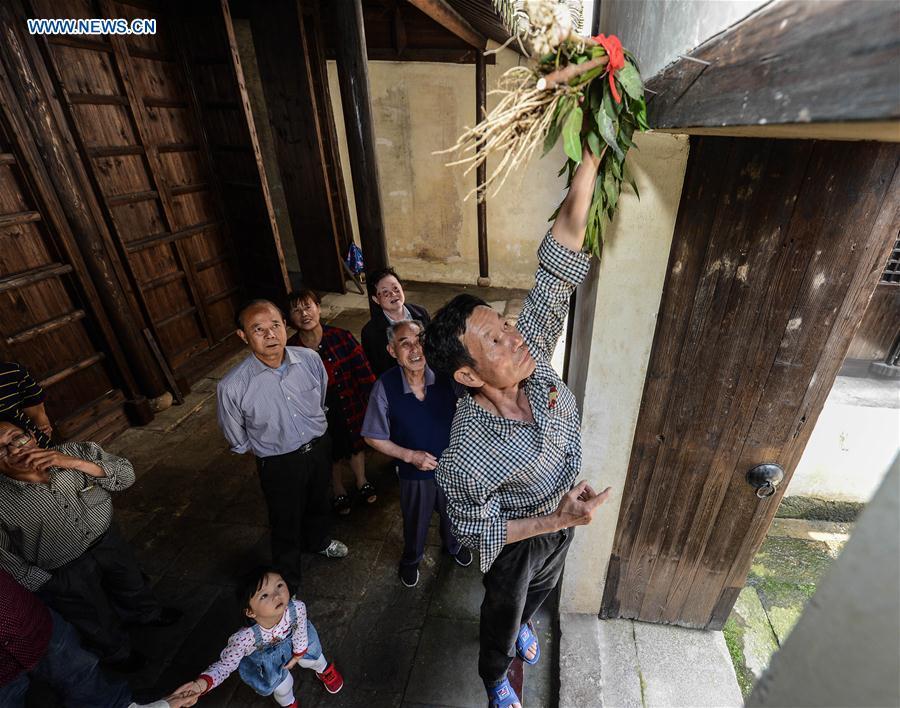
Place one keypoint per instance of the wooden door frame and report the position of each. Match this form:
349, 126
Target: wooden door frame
833, 334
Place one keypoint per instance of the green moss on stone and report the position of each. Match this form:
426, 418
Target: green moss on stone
734, 639
818, 509
792, 560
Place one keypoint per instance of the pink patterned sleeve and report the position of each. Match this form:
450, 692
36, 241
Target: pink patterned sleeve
240, 644
300, 640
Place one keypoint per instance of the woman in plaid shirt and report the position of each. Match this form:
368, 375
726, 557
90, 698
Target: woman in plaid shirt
350, 380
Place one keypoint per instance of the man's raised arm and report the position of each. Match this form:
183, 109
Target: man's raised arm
571, 222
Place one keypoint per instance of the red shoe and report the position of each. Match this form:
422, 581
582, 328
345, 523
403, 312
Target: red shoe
332, 679
294, 705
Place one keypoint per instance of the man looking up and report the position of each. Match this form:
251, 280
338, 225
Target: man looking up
272, 404
409, 416
515, 444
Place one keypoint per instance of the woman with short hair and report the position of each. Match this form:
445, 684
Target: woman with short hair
350, 380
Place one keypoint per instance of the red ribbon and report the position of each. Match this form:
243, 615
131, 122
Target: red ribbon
613, 48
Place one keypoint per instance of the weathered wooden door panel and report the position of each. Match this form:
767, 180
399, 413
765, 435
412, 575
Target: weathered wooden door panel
211, 62
288, 41
778, 246
46, 323
137, 129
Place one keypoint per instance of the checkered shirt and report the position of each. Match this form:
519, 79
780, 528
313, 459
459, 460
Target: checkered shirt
44, 526
498, 469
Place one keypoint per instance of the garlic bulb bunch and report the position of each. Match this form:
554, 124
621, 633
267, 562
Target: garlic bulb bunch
546, 24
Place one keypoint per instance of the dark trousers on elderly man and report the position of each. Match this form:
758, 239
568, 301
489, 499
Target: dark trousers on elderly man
99, 590
419, 499
515, 587
297, 489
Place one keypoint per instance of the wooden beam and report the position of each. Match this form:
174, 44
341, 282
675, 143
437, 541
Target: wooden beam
353, 75
287, 71
44, 327
20, 280
443, 56
484, 276
450, 19
791, 62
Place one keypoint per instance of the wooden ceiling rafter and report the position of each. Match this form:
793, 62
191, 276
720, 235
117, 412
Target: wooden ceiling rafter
442, 13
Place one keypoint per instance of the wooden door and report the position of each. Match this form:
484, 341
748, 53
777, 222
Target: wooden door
46, 318
778, 247
216, 79
136, 126
287, 36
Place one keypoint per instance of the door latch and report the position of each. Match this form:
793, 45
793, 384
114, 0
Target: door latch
765, 479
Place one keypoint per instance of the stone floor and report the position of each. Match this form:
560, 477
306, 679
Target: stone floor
783, 576
196, 519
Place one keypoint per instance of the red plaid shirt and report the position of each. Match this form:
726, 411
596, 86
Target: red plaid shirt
25, 628
349, 373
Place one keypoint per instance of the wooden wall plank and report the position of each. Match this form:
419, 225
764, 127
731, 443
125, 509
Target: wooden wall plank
880, 326
768, 69
764, 290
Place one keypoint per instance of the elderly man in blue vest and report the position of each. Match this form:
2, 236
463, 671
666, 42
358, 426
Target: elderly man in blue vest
409, 416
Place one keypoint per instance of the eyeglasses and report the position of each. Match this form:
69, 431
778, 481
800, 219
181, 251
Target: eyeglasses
16, 444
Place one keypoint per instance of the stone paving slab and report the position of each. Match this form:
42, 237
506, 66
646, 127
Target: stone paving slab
685, 667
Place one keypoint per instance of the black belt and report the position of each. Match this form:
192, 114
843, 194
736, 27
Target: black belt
303, 449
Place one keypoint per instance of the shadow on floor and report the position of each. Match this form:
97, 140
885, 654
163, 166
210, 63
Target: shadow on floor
196, 519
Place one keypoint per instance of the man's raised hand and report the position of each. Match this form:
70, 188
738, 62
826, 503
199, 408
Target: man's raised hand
577, 506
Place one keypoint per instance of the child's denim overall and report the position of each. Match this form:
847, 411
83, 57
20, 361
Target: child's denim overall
263, 670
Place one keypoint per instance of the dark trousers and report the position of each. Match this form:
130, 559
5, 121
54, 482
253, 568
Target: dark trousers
99, 589
518, 582
297, 488
419, 499
72, 672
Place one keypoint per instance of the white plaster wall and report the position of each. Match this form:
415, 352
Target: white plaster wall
657, 31
612, 341
850, 449
431, 231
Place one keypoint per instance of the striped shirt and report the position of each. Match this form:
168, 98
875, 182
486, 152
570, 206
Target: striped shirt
273, 411
44, 526
498, 469
19, 390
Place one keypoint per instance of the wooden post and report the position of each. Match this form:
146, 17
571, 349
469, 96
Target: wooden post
353, 73
288, 77
484, 276
140, 376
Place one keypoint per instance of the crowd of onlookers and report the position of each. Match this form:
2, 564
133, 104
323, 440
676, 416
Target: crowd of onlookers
71, 583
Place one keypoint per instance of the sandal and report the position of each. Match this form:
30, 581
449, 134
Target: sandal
341, 504
524, 641
367, 492
502, 695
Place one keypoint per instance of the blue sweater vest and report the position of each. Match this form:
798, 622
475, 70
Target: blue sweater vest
419, 425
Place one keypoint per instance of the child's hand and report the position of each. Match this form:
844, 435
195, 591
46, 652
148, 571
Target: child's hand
191, 688
294, 659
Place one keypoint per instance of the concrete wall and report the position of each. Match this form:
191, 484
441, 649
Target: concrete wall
844, 650
657, 31
615, 323
431, 232
854, 443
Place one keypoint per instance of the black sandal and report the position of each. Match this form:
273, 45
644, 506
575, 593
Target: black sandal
367, 492
341, 504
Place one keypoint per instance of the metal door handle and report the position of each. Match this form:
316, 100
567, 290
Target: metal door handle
765, 479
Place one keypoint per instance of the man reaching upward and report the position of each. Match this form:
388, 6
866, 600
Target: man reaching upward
515, 444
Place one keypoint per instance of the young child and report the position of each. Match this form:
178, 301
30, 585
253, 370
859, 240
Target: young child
264, 653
